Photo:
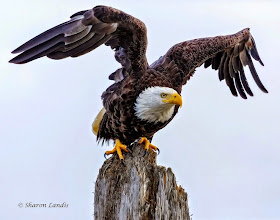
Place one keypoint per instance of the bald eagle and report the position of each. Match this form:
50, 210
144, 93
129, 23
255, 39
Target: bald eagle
144, 98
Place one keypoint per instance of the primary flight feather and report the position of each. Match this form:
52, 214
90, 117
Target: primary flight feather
143, 98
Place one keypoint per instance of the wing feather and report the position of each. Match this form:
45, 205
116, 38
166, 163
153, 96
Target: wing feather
254, 51
78, 48
208, 63
239, 86
254, 73
235, 63
226, 70
216, 60
42, 54
37, 50
244, 79
221, 67
231, 69
49, 34
76, 37
99, 41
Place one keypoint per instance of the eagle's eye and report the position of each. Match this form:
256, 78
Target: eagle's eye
163, 95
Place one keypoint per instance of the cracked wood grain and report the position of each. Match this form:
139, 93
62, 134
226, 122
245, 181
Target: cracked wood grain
139, 190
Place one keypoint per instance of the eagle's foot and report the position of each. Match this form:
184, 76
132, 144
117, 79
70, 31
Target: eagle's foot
118, 148
148, 145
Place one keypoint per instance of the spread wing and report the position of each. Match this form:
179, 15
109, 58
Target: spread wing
227, 54
86, 31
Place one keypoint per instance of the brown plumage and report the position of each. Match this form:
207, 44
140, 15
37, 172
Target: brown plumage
127, 35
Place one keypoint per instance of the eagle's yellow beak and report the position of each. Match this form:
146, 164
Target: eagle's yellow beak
174, 99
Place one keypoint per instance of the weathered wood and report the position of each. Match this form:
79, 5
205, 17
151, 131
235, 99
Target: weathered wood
138, 190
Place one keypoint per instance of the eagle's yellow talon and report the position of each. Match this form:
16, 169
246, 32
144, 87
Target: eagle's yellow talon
148, 144
118, 148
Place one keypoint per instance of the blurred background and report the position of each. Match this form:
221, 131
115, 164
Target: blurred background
223, 150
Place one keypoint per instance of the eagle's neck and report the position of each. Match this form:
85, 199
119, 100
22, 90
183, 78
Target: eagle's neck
154, 114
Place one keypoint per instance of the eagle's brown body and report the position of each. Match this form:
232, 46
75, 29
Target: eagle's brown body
120, 120
127, 35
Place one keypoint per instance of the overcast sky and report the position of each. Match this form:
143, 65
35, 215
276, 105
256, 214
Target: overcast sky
223, 150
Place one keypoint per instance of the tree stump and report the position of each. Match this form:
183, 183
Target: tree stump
138, 190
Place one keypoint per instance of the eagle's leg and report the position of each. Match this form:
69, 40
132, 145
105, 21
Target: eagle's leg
118, 148
148, 145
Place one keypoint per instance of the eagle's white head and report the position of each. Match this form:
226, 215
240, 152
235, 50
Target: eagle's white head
156, 104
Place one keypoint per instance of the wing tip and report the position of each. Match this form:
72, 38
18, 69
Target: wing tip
264, 90
13, 61
18, 50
